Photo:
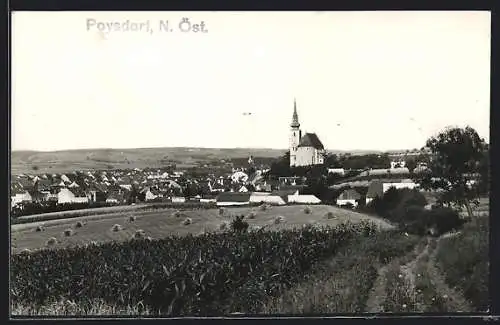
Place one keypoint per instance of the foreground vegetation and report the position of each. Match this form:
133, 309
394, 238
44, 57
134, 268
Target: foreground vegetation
211, 274
463, 258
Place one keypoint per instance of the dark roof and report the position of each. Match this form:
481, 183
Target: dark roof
349, 194
233, 197
375, 189
284, 193
311, 140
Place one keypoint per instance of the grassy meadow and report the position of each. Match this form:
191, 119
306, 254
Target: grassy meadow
162, 223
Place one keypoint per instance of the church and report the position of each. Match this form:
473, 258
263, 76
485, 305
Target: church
305, 150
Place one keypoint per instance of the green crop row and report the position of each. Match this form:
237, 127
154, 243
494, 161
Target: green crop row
211, 274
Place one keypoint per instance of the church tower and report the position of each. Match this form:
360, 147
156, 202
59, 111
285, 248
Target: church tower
294, 135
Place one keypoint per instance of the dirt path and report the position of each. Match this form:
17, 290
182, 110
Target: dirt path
455, 300
377, 295
376, 299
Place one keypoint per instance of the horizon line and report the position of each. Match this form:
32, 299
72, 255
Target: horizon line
190, 147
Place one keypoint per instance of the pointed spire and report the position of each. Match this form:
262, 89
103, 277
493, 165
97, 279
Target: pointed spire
295, 118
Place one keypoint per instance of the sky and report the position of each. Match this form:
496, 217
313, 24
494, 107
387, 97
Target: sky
361, 80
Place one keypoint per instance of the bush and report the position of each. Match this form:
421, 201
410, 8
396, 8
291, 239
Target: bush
187, 221
40, 228
139, 234
394, 201
239, 225
307, 210
176, 214
279, 219
52, 241
68, 232
251, 215
131, 218
116, 227
349, 205
263, 207
445, 219
221, 211
79, 224
224, 225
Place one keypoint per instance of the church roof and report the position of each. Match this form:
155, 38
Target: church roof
295, 117
311, 140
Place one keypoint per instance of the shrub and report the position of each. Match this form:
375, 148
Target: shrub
279, 219
221, 211
40, 228
139, 234
239, 225
445, 219
307, 210
131, 218
52, 241
187, 221
149, 239
396, 200
348, 205
79, 224
26, 251
116, 227
263, 207
223, 225
68, 232
176, 214
251, 215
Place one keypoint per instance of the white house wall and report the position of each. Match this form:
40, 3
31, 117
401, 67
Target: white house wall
344, 202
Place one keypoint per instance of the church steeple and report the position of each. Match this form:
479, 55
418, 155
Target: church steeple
295, 117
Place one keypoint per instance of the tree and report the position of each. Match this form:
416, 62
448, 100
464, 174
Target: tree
456, 155
281, 166
410, 163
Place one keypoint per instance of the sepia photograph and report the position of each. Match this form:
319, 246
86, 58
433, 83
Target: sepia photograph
224, 164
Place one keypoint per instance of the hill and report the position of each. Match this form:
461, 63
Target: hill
85, 159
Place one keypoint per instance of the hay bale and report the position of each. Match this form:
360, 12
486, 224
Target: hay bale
40, 228
187, 221
279, 219
307, 210
79, 224
68, 232
51, 241
330, 215
116, 227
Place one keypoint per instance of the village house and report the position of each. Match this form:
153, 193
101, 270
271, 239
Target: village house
269, 198
229, 199
378, 187
18, 194
75, 195
348, 196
